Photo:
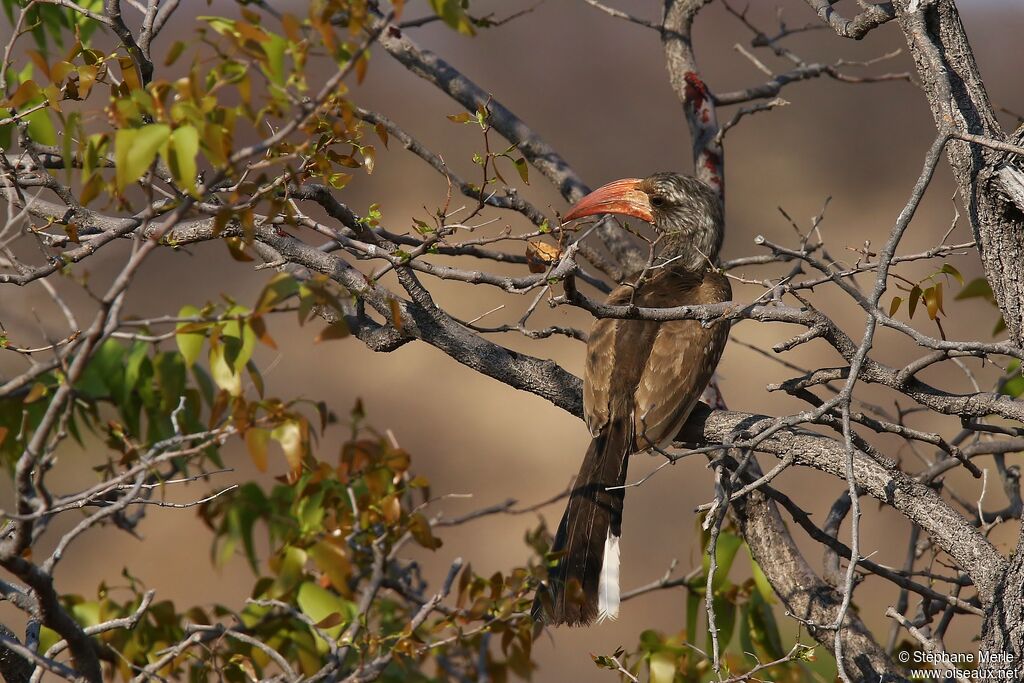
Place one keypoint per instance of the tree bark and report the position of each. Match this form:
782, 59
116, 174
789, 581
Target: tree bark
956, 94
803, 593
990, 186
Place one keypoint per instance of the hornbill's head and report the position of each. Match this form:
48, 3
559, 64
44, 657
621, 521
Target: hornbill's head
685, 212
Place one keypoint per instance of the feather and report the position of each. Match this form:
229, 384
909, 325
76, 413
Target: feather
608, 587
588, 533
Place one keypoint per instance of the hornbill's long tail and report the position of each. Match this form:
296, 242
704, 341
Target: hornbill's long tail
584, 584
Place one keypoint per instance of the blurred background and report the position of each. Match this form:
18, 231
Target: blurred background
596, 88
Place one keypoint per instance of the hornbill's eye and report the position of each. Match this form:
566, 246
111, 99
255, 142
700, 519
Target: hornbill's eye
657, 201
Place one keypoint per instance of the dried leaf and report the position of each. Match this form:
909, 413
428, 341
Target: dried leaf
932, 297
540, 255
382, 133
421, 532
338, 330
396, 314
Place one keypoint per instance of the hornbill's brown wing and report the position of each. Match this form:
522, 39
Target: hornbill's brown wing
617, 352
680, 362
649, 372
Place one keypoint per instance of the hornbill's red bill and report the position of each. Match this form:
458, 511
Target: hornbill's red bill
642, 379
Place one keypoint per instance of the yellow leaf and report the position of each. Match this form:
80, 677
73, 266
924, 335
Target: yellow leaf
223, 374
289, 435
334, 563
37, 391
180, 153
540, 255
256, 442
391, 507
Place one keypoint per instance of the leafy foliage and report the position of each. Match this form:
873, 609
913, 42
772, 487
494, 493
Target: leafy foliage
748, 634
334, 592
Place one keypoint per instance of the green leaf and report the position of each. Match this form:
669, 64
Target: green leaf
693, 603
7, 131
257, 378
319, 604
764, 627
290, 569
464, 117
275, 48
204, 382
950, 270
135, 149
746, 632
725, 620
725, 553
281, 287
133, 373
453, 14
978, 287
169, 371
915, 295
40, 127
895, 305
239, 337
176, 50
181, 156
245, 508
104, 376
87, 613
764, 588
190, 343
1013, 387
524, 170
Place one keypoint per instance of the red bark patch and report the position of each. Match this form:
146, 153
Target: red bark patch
696, 92
713, 163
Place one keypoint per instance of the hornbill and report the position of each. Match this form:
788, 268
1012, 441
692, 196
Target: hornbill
642, 379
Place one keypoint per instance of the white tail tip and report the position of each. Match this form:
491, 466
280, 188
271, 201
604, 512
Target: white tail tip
608, 587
